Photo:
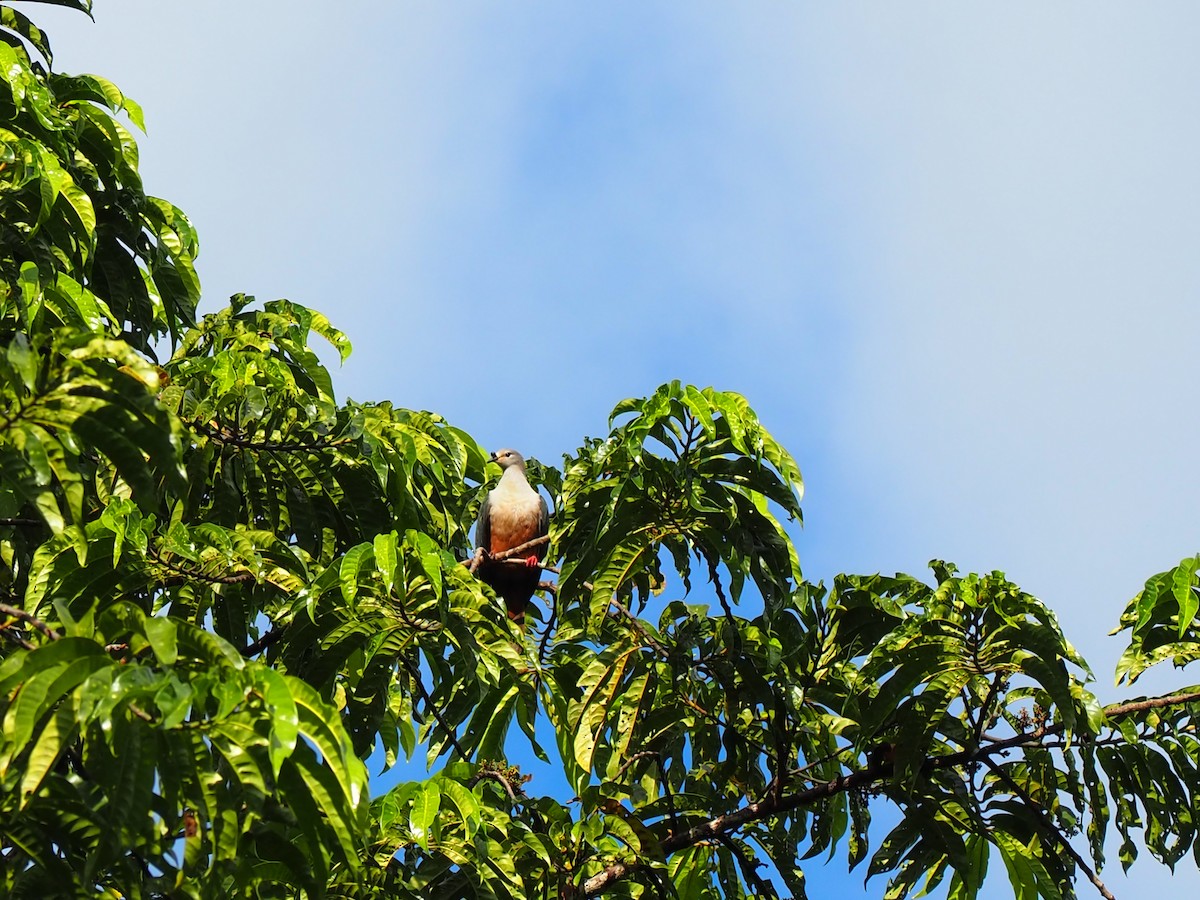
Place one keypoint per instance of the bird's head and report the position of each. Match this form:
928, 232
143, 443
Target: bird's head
508, 458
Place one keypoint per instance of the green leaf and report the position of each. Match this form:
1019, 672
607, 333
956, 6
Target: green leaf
425, 806
1183, 586
54, 737
161, 634
285, 719
465, 801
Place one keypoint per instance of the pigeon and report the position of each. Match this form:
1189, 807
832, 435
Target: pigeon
513, 513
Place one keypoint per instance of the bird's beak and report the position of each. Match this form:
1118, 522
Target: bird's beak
494, 458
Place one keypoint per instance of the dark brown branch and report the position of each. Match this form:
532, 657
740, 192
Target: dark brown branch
714, 576
662, 774
18, 613
16, 639
433, 708
1137, 706
225, 435
751, 812
636, 624
481, 554
264, 642
23, 523
1048, 826
748, 866
484, 775
754, 811
984, 714
239, 578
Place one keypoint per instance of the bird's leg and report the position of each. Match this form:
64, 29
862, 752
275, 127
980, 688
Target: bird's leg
532, 561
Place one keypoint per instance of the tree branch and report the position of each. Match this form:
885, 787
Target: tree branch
433, 708
156, 555
226, 435
16, 638
662, 774
984, 714
1137, 706
636, 624
264, 642
751, 812
484, 775
748, 866
18, 613
481, 553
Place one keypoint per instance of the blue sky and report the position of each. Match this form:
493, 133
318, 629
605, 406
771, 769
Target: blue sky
948, 251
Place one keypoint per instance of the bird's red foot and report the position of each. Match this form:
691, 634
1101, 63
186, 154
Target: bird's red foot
531, 561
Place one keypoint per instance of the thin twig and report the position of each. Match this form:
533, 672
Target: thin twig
483, 775
18, 613
828, 757
482, 553
264, 642
783, 755
984, 715
749, 867
22, 522
556, 570
224, 435
636, 624
662, 774
714, 576
433, 708
17, 639
1115, 711
715, 719
157, 556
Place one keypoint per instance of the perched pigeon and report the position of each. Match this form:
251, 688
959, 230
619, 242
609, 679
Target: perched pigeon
512, 514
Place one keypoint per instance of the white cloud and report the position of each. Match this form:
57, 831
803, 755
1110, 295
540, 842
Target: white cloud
1022, 188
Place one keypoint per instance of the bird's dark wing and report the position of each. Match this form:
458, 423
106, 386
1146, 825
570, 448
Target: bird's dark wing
543, 527
483, 525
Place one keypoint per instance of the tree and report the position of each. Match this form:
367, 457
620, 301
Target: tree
222, 590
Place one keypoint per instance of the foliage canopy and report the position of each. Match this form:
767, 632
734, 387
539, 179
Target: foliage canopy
222, 590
